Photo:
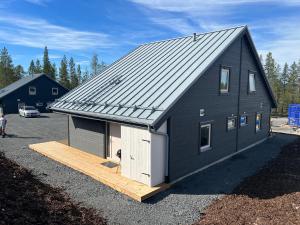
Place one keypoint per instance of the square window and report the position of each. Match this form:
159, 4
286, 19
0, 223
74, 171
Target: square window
54, 91
224, 80
252, 87
32, 91
258, 122
205, 137
243, 120
231, 123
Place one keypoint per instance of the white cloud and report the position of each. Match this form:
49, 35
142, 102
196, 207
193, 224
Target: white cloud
32, 32
274, 33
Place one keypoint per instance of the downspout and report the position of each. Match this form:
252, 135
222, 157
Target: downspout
166, 136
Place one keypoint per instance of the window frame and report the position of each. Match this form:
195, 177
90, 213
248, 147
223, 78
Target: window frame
209, 146
235, 123
224, 92
247, 120
260, 124
55, 88
250, 72
30, 92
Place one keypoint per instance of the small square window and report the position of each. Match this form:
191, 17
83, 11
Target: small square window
252, 87
258, 122
224, 80
54, 91
32, 91
231, 123
243, 120
205, 137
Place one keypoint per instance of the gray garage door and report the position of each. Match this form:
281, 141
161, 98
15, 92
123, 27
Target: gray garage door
87, 135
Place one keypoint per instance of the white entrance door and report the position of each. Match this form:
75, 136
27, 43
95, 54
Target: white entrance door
135, 162
114, 141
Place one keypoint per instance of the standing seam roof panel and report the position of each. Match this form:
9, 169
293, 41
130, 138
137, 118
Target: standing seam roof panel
151, 78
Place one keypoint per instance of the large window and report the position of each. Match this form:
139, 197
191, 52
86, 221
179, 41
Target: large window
54, 91
32, 90
243, 120
258, 122
231, 123
252, 87
205, 137
224, 80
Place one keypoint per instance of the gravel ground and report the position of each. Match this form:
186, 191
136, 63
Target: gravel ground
181, 204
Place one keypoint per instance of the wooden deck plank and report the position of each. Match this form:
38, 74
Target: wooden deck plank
91, 165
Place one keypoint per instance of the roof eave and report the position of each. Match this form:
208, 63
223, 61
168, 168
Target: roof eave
106, 117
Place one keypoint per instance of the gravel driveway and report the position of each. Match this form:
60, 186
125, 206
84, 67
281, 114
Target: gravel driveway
181, 204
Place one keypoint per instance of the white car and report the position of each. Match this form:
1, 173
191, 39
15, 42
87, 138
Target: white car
29, 111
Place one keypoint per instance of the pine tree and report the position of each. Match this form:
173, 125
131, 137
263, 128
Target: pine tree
53, 71
284, 78
63, 73
85, 76
31, 69
6, 68
270, 69
94, 64
73, 76
18, 72
47, 67
38, 67
78, 73
293, 82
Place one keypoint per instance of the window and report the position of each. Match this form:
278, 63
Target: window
231, 123
39, 104
205, 133
54, 91
258, 122
252, 82
243, 120
224, 80
32, 91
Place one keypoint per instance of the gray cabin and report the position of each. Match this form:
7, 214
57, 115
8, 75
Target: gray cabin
171, 108
37, 90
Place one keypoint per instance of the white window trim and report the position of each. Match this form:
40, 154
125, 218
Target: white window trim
250, 75
235, 121
56, 91
208, 146
225, 91
31, 92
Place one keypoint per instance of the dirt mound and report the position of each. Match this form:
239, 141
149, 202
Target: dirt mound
26, 200
271, 196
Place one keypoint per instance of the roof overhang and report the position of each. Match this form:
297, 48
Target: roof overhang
105, 117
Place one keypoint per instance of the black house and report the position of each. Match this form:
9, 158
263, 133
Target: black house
37, 90
174, 107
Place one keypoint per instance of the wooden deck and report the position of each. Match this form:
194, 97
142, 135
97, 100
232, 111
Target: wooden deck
91, 165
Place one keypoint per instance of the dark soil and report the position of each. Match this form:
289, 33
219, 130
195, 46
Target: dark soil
272, 196
26, 200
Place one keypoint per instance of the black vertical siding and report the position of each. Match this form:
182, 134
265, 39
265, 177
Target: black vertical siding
204, 94
43, 86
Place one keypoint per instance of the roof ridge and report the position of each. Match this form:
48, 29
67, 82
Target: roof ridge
188, 36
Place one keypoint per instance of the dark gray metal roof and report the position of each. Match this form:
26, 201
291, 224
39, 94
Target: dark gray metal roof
144, 84
19, 83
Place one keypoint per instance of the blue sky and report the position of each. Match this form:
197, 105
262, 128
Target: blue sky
111, 28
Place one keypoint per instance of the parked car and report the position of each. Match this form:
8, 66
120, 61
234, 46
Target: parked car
29, 111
